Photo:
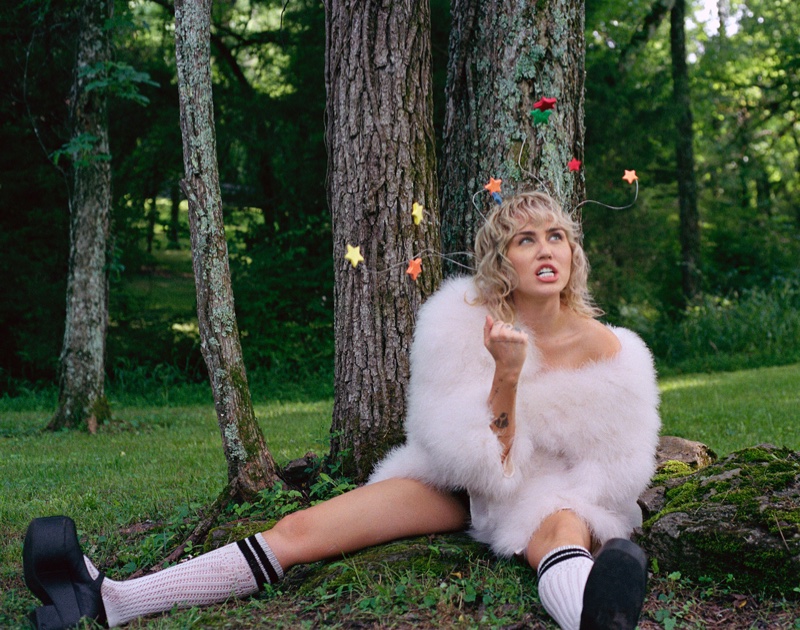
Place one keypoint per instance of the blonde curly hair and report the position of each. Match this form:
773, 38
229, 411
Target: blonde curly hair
495, 277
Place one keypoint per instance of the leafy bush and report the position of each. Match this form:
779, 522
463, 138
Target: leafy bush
757, 327
284, 300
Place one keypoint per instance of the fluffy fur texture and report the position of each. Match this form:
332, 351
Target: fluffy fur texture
586, 438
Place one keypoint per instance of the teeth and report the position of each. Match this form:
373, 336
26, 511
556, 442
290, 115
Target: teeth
546, 272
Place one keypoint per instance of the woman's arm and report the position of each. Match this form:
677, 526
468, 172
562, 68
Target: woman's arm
508, 346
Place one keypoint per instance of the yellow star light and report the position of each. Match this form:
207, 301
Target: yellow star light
630, 176
353, 255
416, 212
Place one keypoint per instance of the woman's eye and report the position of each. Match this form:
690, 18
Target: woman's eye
556, 236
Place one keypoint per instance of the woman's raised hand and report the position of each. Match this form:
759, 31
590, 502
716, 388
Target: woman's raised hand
507, 345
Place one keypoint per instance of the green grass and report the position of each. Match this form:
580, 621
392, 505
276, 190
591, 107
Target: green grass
163, 461
734, 410
159, 458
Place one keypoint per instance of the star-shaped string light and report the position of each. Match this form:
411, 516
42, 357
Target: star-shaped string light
353, 255
630, 176
416, 211
541, 117
545, 103
574, 165
493, 186
414, 268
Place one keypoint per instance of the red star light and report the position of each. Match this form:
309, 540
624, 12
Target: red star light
574, 165
545, 103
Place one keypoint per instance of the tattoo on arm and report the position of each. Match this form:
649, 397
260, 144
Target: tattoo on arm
501, 422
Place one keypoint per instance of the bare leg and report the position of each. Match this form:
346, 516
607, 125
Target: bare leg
557, 530
559, 549
369, 515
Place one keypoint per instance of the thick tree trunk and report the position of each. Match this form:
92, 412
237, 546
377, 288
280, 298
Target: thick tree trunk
504, 57
381, 161
250, 465
81, 399
684, 151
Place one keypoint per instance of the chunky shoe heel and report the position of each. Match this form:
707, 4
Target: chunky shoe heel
47, 618
56, 573
46, 549
615, 590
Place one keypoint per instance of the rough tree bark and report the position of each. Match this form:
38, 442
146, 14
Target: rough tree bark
81, 398
250, 465
689, 235
504, 57
381, 160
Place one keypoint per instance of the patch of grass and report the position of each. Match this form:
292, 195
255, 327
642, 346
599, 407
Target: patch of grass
731, 411
677, 602
163, 460
154, 463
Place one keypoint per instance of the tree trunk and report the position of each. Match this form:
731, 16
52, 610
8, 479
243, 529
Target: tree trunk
174, 217
81, 398
504, 57
381, 160
250, 465
684, 151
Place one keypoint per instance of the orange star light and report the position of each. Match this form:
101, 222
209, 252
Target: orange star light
494, 185
545, 103
574, 165
630, 176
414, 268
353, 255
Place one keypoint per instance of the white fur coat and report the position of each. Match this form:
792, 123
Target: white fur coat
585, 440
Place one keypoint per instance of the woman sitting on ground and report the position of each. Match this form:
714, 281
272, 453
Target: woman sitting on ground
519, 399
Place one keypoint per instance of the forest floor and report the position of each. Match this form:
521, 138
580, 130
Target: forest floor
451, 582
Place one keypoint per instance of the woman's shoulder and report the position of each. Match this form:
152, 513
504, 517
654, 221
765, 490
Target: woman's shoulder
595, 343
599, 341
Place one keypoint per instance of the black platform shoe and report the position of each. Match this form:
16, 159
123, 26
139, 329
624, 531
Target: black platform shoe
614, 593
56, 573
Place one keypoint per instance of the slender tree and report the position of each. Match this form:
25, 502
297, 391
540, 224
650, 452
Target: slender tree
381, 161
504, 58
689, 231
250, 466
81, 398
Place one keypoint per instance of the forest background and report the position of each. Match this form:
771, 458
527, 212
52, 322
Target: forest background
269, 100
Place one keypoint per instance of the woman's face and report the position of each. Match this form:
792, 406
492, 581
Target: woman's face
542, 257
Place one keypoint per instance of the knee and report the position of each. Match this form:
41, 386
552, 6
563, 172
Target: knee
557, 530
293, 529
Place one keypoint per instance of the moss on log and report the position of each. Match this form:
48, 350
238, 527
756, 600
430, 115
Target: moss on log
736, 520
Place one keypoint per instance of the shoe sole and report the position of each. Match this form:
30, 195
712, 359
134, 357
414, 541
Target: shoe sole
615, 590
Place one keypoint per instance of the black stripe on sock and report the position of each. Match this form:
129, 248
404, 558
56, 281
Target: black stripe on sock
561, 556
265, 562
258, 574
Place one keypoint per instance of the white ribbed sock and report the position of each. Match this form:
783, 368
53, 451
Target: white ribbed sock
562, 576
238, 569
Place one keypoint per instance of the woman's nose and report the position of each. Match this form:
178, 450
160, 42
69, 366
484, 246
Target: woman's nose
544, 251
